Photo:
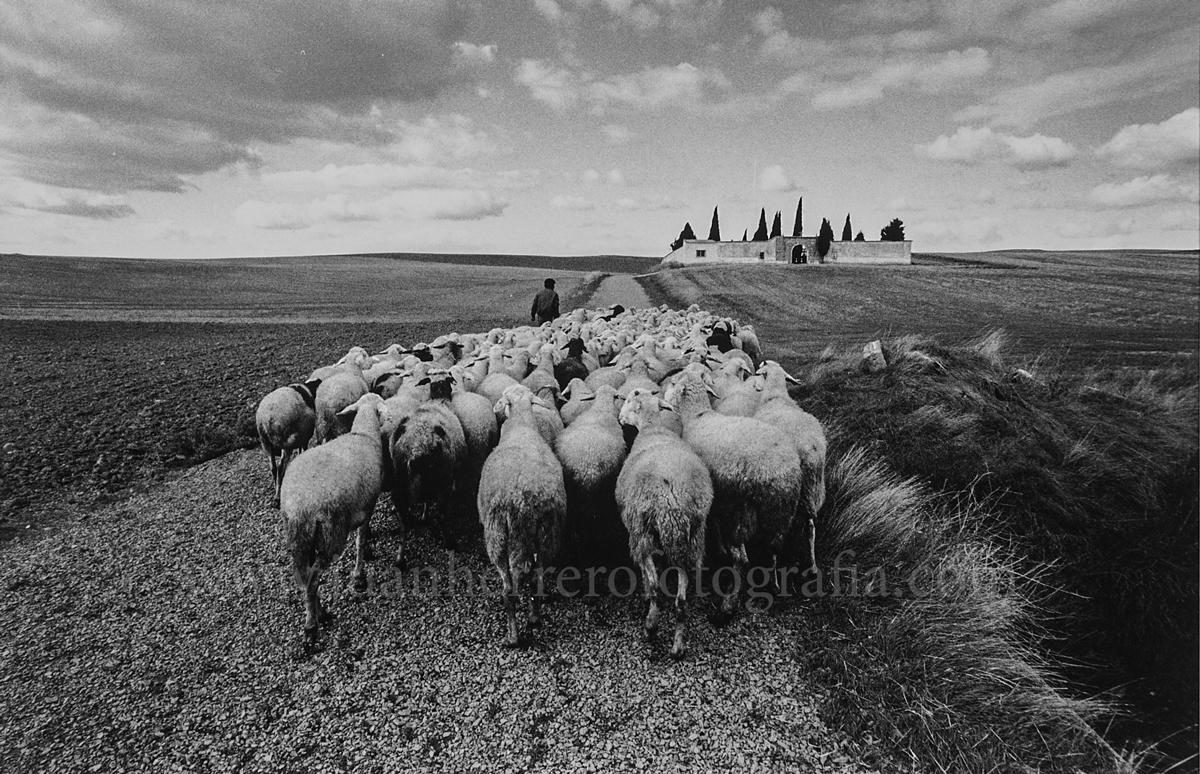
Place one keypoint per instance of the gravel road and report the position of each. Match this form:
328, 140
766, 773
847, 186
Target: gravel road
162, 633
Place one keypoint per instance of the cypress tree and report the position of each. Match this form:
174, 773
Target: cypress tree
687, 232
847, 232
714, 231
776, 228
824, 238
798, 229
761, 234
744, 233
859, 237
893, 232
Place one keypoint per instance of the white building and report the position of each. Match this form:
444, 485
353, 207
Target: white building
790, 249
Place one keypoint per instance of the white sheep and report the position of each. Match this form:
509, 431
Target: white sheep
522, 503
549, 421
664, 493
476, 417
330, 491
808, 437
757, 476
579, 397
591, 451
285, 420
340, 389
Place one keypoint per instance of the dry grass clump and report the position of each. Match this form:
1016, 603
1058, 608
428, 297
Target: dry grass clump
930, 648
1090, 477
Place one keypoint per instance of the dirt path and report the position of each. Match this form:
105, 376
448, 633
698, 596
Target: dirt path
161, 634
620, 289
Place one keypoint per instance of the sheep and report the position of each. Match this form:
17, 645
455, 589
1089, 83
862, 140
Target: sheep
549, 421
543, 374
522, 502
638, 376
328, 492
476, 417
285, 420
591, 451
427, 449
572, 366
808, 437
580, 400
337, 391
664, 493
757, 477
355, 359
496, 381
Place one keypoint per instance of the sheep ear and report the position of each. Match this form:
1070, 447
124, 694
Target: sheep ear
792, 379
423, 381
379, 380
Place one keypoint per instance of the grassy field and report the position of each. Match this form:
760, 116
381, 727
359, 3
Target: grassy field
1084, 309
119, 373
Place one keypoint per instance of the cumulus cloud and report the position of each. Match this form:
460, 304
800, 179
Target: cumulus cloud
474, 55
570, 202
122, 96
773, 178
978, 146
556, 86
682, 85
549, 9
63, 201
1151, 146
615, 177
400, 205
1149, 189
435, 140
648, 202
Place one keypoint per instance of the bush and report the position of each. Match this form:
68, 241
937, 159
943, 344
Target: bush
893, 232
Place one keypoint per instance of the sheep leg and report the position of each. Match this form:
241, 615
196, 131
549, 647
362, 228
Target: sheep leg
510, 607
360, 567
678, 648
740, 562
364, 547
276, 477
401, 562
443, 524
812, 544
535, 599
313, 613
285, 459
650, 578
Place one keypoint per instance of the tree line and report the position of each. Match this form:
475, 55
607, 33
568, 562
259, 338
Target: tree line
892, 232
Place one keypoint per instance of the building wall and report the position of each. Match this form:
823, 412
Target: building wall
870, 252
779, 250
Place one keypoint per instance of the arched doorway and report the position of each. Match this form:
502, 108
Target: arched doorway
799, 255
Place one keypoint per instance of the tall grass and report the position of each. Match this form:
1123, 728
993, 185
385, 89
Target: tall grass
1090, 484
934, 658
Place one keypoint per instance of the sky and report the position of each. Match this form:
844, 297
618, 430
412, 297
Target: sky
221, 128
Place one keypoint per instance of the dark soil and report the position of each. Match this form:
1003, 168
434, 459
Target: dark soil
95, 410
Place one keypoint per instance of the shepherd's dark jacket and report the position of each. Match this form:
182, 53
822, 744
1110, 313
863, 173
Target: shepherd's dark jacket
545, 305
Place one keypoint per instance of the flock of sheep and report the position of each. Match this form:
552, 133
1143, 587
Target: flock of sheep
537, 421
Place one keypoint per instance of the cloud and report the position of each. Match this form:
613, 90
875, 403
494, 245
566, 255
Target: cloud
930, 74
1152, 146
140, 95
385, 176
556, 86
412, 205
648, 202
684, 85
773, 178
617, 134
1169, 64
569, 202
978, 146
474, 55
615, 177
549, 9
1156, 189
433, 140
61, 201
961, 233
